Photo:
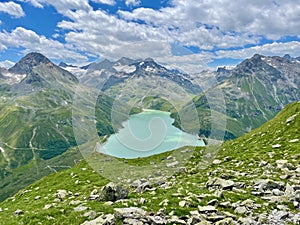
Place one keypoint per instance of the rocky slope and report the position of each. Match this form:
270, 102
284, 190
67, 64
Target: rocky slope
254, 91
36, 105
252, 180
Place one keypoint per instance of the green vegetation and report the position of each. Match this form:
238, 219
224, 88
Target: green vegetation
238, 160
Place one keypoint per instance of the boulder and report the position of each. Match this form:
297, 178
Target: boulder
220, 183
113, 192
131, 212
108, 219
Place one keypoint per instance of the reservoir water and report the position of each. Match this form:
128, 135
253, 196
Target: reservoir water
148, 133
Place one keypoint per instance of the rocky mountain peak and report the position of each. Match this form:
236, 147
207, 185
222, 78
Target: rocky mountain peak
28, 62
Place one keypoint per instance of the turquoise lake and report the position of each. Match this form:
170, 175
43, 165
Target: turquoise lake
148, 133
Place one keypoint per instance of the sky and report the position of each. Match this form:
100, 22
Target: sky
190, 35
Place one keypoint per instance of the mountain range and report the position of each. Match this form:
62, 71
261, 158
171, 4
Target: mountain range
37, 104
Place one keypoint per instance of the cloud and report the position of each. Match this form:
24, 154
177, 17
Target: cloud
266, 18
132, 2
275, 48
214, 27
107, 2
30, 41
12, 9
62, 6
6, 64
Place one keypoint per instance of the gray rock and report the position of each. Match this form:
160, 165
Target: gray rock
130, 221
182, 203
90, 215
113, 192
241, 210
61, 194
264, 185
282, 164
291, 118
18, 212
108, 219
289, 190
277, 192
80, 208
248, 204
220, 183
157, 220
176, 220
132, 212
141, 185
208, 208
172, 164
217, 162
226, 221
276, 146
263, 163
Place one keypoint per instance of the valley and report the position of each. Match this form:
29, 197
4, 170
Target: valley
53, 117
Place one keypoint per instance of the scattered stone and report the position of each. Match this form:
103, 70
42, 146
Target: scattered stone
263, 163
61, 194
108, 219
141, 185
130, 221
294, 140
37, 197
220, 183
277, 192
132, 212
264, 185
73, 202
164, 203
142, 200
276, 146
80, 208
217, 162
213, 202
240, 210
208, 208
175, 220
18, 212
172, 164
113, 192
48, 206
94, 197
289, 190
90, 215
226, 221
157, 220
182, 203
290, 119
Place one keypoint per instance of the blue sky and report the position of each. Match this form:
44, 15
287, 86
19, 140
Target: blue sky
184, 34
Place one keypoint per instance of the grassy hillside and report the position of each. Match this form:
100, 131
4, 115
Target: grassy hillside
252, 179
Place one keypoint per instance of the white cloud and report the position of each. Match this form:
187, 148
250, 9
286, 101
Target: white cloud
252, 17
275, 48
21, 37
62, 6
12, 9
107, 2
6, 64
132, 2
206, 25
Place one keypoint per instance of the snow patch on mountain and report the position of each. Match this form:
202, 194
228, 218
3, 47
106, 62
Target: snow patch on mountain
13, 78
125, 68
